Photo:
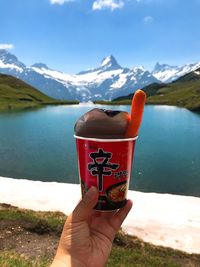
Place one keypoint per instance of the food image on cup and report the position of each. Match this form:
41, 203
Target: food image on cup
117, 192
105, 142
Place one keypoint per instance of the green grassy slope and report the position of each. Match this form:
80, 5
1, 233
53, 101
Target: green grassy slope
184, 92
16, 94
149, 89
127, 251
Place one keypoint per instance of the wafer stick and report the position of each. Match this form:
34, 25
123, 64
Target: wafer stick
137, 109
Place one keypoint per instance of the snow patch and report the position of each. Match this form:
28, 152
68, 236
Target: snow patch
168, 73
161, 219
10, 66
53, 74
106, 61
197, 72
121, 81
139, 69
164, 76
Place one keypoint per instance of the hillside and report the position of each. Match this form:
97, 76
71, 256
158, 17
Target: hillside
30, 239
184, 92
16, 94
149, 89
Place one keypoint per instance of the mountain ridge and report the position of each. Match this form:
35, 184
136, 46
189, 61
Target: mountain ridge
167, 73
107, 81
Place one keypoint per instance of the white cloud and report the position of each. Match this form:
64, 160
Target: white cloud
6, 46
148, 19
107, 4
60, 2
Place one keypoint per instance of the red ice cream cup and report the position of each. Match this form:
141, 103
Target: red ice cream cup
106, 164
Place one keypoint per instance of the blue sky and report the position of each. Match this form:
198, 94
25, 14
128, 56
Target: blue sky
76, 35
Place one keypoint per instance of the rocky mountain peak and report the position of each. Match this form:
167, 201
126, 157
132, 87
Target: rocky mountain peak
162, 67
40, 66
9, 58
110, 62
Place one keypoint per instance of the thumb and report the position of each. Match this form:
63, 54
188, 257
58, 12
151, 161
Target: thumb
85, 207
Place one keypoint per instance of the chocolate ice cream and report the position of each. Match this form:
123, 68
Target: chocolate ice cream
101, 123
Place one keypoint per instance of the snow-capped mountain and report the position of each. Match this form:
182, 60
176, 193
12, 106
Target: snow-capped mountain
166, 73
105, 82
10, 62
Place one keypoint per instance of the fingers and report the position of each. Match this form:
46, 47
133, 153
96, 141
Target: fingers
85, 207
118, 218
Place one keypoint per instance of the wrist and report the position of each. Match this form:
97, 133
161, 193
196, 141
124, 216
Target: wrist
66, 261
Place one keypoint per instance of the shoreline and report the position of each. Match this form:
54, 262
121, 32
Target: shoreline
161, 219
31, 106
95, 103
150, 103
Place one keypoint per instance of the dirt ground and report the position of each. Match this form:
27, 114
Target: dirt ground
27, 239
35, 236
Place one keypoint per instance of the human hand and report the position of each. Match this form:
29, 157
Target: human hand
87, 236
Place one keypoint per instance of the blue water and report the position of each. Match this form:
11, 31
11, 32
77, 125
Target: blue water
39, 145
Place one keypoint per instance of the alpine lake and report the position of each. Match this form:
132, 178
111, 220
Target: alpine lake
38, 144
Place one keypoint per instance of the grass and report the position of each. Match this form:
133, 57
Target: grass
131, 251
181, 93
16, 94
41, 221
184, 92
12, 259
127, 250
